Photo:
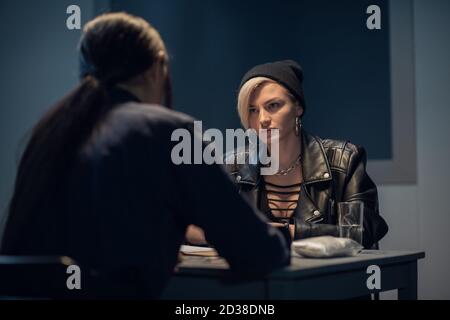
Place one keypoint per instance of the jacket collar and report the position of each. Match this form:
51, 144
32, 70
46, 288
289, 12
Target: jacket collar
315, 166
314, 162
118, 96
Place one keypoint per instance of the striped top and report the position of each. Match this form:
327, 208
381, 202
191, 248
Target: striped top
280, 201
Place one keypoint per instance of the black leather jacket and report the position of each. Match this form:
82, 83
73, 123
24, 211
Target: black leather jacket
333, 171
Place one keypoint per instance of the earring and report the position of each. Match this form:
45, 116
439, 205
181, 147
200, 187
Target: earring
298, 126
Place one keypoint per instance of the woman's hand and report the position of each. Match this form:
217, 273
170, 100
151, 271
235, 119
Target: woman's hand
195, 235
281, 225
276, 224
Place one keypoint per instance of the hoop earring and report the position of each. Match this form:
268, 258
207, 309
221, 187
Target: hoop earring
298, 126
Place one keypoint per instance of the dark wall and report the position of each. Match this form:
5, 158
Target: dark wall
39, 65
346, 66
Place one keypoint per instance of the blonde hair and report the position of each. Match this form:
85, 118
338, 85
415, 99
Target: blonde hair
245, 94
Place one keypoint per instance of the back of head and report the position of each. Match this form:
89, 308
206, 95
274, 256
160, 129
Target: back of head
114, 48
117, 46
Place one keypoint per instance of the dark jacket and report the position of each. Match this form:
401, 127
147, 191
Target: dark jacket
333, 171
123, 209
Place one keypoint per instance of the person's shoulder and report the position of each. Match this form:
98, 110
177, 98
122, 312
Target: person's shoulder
342, 154
137, 115
140, 119
345, 145
231, 163
242, 165
135, 121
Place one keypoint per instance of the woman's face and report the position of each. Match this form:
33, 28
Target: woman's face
271, 107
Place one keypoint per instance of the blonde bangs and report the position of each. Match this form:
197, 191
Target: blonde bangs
245, 95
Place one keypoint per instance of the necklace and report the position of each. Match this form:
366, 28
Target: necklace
295, 164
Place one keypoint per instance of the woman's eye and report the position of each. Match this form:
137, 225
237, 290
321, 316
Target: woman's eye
252, 110
273, 105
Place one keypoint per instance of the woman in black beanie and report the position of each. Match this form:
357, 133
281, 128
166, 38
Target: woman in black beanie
315, 174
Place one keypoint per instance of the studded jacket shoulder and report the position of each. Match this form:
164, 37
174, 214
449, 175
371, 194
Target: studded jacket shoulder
333, 171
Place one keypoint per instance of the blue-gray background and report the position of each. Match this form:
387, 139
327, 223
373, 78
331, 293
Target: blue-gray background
346, 66
38, 64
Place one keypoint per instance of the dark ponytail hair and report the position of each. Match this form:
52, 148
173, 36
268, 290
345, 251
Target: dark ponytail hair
114, 48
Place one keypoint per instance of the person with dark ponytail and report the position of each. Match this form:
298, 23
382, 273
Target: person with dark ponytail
96, 181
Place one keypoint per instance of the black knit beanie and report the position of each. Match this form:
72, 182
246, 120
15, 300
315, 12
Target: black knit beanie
287, 72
